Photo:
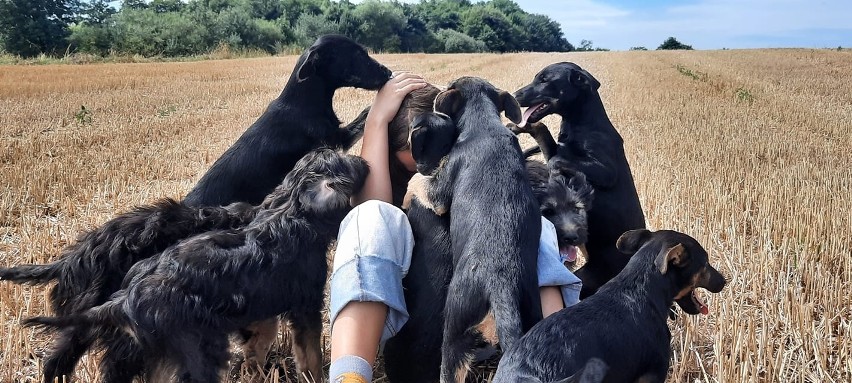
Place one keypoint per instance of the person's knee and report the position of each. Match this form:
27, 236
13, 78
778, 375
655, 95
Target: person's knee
375, 229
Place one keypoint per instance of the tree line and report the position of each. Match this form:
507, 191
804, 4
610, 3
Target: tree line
179, 28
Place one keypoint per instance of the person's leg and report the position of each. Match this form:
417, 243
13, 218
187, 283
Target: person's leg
367, 303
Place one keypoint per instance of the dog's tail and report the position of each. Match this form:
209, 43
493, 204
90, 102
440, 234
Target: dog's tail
31, 274
529, 152
108, 314
593, 372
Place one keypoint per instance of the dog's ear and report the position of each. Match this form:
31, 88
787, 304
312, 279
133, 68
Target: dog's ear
584, 190
631, 241
676, 255
448, 102
509, 105
583, 79
308, 67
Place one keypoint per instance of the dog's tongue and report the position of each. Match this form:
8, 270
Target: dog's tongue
527, 114
569, 253
701, 306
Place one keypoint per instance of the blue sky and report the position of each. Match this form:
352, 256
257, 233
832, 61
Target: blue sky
704, 24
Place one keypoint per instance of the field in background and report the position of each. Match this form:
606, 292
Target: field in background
748, 151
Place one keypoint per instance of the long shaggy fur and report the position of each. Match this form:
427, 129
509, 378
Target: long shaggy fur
92, 268
180, 306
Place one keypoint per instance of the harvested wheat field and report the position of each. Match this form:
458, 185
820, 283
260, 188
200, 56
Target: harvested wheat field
748, 151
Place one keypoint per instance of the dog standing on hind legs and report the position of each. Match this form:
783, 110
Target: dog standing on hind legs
302, 118
590, 144
181, 305
493, 269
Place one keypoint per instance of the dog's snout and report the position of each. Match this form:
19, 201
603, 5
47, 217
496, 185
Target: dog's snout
715, 280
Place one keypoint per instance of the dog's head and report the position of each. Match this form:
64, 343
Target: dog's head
553, 89
474, 92
431, 139
565, 198
320, 184
341, 62
678, 256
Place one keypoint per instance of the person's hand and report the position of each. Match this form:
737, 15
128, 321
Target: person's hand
390, 97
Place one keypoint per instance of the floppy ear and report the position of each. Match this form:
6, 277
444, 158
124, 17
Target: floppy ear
676, 254
509, 105
448, 102
584, 79
308, 67
631, 241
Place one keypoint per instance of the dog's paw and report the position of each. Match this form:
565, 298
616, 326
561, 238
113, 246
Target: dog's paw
418, 187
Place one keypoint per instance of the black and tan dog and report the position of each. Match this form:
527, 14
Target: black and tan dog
564, 197
300, 119
589, 143
92, 268
495, 223
413, 355
625, 323
181, 305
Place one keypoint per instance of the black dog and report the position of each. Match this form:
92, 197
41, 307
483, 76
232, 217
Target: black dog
181, 305
495, 223
625, 323
589, 143
564, 198
91, 269
414, 354
300, 119
563, 195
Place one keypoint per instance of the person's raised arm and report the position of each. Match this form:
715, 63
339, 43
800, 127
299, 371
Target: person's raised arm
374, 147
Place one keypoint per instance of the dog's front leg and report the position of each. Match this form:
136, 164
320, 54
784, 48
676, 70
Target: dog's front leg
440, 190
422, 188
307, 347
258, 338
541, 133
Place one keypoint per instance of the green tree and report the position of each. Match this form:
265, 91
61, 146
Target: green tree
93, 31
381, 23
492, 27
545, 35
640, 48
457, 42
31, 27
308, 27
95, 12
671, 43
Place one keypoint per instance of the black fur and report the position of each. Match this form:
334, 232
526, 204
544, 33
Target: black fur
181, 305
495, 223
625, 323
92, 268
300, 119
413, 355
589, 143
432, 137
564, 198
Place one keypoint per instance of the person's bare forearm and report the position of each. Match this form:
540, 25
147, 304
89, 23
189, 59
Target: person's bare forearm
374, 149
551, 300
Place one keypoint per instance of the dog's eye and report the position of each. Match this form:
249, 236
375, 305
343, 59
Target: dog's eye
546, 211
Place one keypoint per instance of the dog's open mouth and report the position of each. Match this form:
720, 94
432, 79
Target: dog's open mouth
692, 304
568, 253
536, 112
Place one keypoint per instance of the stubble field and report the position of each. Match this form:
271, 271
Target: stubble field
749, 151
